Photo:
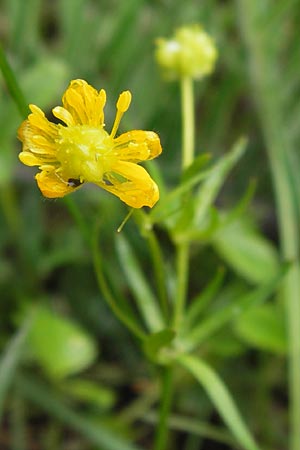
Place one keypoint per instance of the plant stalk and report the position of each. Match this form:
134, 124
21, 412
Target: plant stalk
188, 121
182, 258
188, 149
161, 437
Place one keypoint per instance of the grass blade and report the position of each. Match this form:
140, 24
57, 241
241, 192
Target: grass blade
97, 433
221, 398
11, 358
145, 299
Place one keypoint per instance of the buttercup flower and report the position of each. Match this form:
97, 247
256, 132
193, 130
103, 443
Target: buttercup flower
190, 52
80, 150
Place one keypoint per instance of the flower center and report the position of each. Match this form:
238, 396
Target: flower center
84, 152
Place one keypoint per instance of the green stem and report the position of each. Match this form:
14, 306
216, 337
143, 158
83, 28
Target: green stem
268, 89
182, 255
188, 148
188, 121
182, 258
109, 298
146, 230
159, 272
13, 85
161, 437
18, 422
92, 242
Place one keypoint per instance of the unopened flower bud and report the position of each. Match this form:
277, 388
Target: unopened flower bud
191, 52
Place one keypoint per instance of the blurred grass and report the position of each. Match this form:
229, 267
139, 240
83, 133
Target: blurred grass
44, 257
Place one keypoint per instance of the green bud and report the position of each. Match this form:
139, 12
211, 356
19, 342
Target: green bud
191, 52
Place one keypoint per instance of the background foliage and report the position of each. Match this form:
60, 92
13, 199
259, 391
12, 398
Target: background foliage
71, 376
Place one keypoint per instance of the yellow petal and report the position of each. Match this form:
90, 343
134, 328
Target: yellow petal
64, 115
29, 159
52, 186
137, 145
84, 103
136, 188
39, 121
32, 159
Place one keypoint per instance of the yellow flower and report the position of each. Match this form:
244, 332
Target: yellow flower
80, 150
190, 52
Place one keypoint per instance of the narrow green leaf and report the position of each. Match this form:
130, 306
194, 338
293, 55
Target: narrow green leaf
200, 302
249, 253
96, 433
211, 186
10, 359
155, 342
215, 176
197, 165
13, 85
242, 203
90, 392
263, 327
221, 398
231, 311
171, 201
193, 426
143, 295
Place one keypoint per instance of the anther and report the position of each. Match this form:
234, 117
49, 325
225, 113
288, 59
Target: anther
124, 101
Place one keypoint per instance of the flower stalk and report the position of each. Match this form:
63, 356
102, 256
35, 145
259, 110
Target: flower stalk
182, 259
188, 120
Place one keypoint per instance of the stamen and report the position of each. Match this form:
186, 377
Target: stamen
124, 101
122, 106
125, 221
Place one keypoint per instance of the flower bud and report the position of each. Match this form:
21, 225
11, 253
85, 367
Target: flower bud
191, 52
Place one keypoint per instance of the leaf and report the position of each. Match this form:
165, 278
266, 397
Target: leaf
197, 165
210, 188
215, 176
221, 398
59, 345
145, 299
231, 311
249, 253
11, 358
263, 327
171, 201
90, 393
200, 302
46, 399
156, 342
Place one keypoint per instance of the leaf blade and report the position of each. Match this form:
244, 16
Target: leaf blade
221, 398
